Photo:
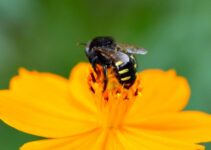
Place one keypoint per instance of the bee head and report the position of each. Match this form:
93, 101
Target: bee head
105, 41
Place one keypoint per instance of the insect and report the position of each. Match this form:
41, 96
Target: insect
106, 52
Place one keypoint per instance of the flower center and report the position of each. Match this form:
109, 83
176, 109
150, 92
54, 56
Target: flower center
115, 101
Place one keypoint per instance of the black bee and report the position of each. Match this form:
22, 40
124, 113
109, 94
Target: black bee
109, 54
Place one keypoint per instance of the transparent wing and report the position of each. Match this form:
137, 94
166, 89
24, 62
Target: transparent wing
131, 49
112, 54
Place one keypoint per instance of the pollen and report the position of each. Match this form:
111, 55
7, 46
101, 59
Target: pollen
114, 102
80, 113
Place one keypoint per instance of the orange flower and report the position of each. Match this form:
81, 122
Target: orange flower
76, 114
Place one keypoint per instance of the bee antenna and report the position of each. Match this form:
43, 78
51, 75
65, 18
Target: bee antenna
81, 44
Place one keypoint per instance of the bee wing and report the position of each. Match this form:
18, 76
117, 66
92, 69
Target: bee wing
112, 54
132, 49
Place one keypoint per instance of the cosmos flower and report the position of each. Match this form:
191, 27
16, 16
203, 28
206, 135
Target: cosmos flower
75, 113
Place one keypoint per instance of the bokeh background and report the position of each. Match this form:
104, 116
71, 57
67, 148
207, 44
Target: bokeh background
42, 35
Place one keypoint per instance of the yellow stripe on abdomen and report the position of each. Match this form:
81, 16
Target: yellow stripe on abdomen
118, 63
126, 78
123, 71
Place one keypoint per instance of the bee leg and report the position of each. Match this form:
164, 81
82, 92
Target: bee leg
105, 77
94, 64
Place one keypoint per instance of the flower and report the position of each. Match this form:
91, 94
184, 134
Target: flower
77, 114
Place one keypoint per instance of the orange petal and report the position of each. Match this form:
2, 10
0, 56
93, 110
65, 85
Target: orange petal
133, 138
113, 142
79, 88
40, 104
162, 92
188, 126
83, 142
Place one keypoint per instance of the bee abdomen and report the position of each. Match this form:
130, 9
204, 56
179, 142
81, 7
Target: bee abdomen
126, 73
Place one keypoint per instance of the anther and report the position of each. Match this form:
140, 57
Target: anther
92, 89
105, 96
136, 92
93, 77
126, 98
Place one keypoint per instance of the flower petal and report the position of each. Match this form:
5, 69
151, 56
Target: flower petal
40, 104
188, 126
162, 92
134, 138
113, 142
82, 142
79, 87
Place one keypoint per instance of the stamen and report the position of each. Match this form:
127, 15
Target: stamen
105, 96
115, 101
126, 98
136, 92
91, 88
93, 78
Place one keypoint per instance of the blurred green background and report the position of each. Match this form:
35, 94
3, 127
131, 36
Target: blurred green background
42, 35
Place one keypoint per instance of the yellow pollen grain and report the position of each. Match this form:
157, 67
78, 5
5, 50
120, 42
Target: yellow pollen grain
125, 78
123, 71
118, 63
139, 93
118, 94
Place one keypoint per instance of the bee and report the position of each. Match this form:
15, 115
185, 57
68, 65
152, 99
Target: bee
104, 51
